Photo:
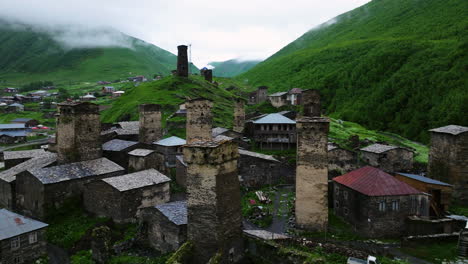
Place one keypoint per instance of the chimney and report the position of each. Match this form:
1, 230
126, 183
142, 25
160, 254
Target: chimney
311, 101
199, 120
182, 61
150, 123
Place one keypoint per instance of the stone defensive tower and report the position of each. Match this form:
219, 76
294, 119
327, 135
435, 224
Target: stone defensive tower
239, 116
208, 74
311, 102
182, 61
150, 123
199, 120
78, 132
213, 201
312, 168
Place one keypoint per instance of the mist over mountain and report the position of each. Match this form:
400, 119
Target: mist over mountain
231, 68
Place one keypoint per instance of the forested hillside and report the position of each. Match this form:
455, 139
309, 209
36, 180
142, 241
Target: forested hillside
231, 68
398, 65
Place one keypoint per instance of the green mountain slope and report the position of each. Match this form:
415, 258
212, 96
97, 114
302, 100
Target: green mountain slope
398, 65
231, 68
27, 55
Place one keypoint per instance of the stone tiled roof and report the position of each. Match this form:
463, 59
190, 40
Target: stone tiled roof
117, 145
12, 224
181, 159
278, 94
137, 180
257, 155
176, 212
171, 141
37, 162
141, 152
218, 131
23, 154
222, 138
451, 129
126, 128
130, 125
378, 148
77, 170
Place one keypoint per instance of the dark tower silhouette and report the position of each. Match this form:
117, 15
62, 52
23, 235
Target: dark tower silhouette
311, 102
182, 61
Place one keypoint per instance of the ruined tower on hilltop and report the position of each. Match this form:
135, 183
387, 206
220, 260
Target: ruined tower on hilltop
213, 201
312, 167
239, 116
311, 102
78, 132
150, 123
199, 120
182, 61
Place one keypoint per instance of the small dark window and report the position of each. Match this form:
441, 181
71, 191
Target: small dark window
345, 210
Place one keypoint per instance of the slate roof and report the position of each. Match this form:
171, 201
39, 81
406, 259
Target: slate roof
176, 212
257, 155
451, 129
423, 179
181, 159
278, 94
295, 91
141, 152
117, 145
130, 125
77, 170
378, 148
38, 162
16, 104
137, 180
218, 131
274, 119
12, 224
12, 126
374, 182
222, 138
23, 154
171, 141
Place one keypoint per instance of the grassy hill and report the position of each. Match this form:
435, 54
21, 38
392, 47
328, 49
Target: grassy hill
232, 68
27, 55
397, 65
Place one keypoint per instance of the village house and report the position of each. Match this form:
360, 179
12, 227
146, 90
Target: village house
376, 204
28, 122
122, 197
143, 159
170, 147
12, 133
294, 96
40, 93
448, 159
139, 78
88, 97
273, 131
117, 150
440, 192
41, 189
165, 225
107, 89
258, 96
13, 158
278, 99
16, 107
22, 239
10, 90
388, 158
340, 160
8, 177
118, 94
126, 130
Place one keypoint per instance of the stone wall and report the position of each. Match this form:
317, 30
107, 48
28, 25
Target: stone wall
7, 194
27, 252
182, 61
257, 172
152, 161
311, 102
181, 173
199, 120
341, 161
150, 123
394, 160
239, 117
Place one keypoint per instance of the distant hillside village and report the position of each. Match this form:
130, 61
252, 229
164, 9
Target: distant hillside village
217, 196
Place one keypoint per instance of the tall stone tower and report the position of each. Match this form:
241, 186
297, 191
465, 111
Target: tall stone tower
78, 132
199, 120
182, 61
150, 123
239, 116
213, 201
209, 75
312, 168
311, 102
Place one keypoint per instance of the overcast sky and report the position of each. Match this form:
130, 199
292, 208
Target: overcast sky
218, 30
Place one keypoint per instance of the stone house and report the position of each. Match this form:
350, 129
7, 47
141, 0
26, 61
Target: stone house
10, 90
117, 150
440, 192
41, 189
122, 197
13, 158
143, 159
166, 225
376, 204
127, 130
170, 147
8, 177
258, 96
273, 131
448, 159
388, 158
278, 99
181, 171
22, 239
340, 160
107, 89
16, 107
28, 122
294, 96
12, 137
256, 170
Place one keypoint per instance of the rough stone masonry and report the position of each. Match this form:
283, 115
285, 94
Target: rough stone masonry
150, 123
312, 167
213, 201
199, 120
239, 116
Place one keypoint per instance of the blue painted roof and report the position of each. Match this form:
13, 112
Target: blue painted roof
12, 126
171, 141
423, 179
21, 133
274, 119
12, 224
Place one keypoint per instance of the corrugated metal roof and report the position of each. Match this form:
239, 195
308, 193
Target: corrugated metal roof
176, 212
423, 179
451, 129
137, 180
13, 133
378, 148
12, 126
171, 141
374, 182
274, 119
12, 224
117, 145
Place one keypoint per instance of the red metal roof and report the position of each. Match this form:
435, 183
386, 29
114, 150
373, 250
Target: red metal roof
374, 182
